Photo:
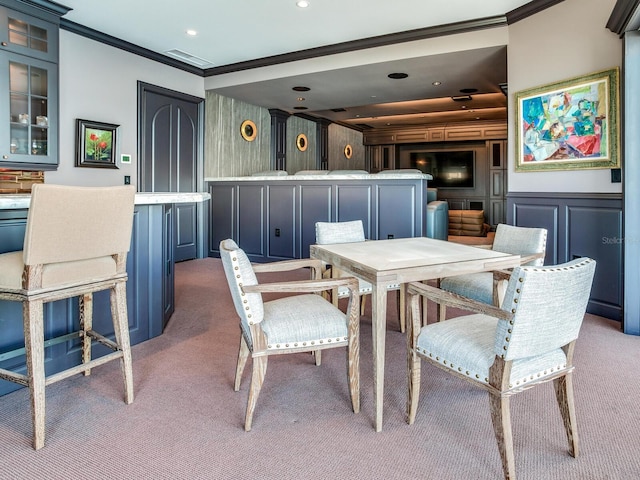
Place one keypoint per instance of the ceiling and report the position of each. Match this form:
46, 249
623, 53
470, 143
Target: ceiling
233, 35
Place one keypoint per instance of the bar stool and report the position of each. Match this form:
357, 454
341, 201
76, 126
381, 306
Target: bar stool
76, 243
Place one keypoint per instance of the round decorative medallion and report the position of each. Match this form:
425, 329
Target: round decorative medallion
301, 142
248, 130
348, 151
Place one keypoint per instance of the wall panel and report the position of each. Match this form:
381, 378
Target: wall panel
579, 225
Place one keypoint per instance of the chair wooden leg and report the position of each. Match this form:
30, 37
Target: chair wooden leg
318, 356
353, 356
34, 345
441, 310
243, 354
501, 419
402, 309
86, 324
257, 378
413, 360
118, 298
564, 395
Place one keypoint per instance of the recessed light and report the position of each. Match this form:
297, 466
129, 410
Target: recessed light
301, 99
468, 90
437, 83
302, 3
398, 75
301, 89
300, 108
191, 33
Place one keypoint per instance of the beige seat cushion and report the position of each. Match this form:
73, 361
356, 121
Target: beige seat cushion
56, 274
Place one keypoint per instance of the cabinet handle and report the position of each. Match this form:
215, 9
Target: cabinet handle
4, 157
4, 44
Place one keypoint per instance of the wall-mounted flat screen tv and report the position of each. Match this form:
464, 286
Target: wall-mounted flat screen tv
450, 169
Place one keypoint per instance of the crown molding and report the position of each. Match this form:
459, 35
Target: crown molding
529, 9
48, 6
92, 34
362, 44
624, 17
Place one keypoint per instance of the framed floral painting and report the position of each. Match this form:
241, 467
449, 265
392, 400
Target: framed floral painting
567, 125
95, 144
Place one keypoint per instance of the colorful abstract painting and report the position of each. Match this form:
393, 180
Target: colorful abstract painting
570, 124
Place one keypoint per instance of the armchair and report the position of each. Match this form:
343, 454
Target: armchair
346, 232
488, 287
292, 324
529, 341
437, 216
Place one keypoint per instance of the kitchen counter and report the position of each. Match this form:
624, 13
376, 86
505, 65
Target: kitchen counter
18, 201
327, 177
150, 287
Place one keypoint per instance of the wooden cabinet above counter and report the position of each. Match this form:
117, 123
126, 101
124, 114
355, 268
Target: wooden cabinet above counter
436, 133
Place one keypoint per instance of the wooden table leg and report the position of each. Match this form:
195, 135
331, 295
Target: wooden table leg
379, 329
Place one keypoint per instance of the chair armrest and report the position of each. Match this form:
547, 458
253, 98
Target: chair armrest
305, 286
287, 265
449, 299
530, 258
506, 274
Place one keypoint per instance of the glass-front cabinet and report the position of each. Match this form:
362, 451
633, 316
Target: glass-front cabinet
29, 83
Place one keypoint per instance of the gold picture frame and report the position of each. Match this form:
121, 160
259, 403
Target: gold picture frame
568, 125
301, 142
248, 130
348, 151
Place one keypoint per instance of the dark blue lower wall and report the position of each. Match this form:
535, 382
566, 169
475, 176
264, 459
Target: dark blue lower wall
149, 294
579, 225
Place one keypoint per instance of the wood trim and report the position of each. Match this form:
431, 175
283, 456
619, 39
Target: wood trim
55, 9
529, 9
525, 11
364, 43
92, 34
624, 17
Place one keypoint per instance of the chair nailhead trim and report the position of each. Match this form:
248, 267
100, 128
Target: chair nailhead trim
279, 346
425, 353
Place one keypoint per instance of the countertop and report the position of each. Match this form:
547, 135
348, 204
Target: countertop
17, 201
350, 176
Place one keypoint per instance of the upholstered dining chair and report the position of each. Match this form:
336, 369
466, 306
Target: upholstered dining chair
75, 244
488, 287
297, 323
528, 341
328, 233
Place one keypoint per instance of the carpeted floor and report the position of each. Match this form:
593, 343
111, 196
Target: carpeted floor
187, 422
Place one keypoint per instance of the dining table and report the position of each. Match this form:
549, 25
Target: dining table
400, 261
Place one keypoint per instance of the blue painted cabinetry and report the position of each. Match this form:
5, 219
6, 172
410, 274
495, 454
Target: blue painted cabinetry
150, 292
275, 219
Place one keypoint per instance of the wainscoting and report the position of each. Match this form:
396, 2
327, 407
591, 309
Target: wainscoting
579, 225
